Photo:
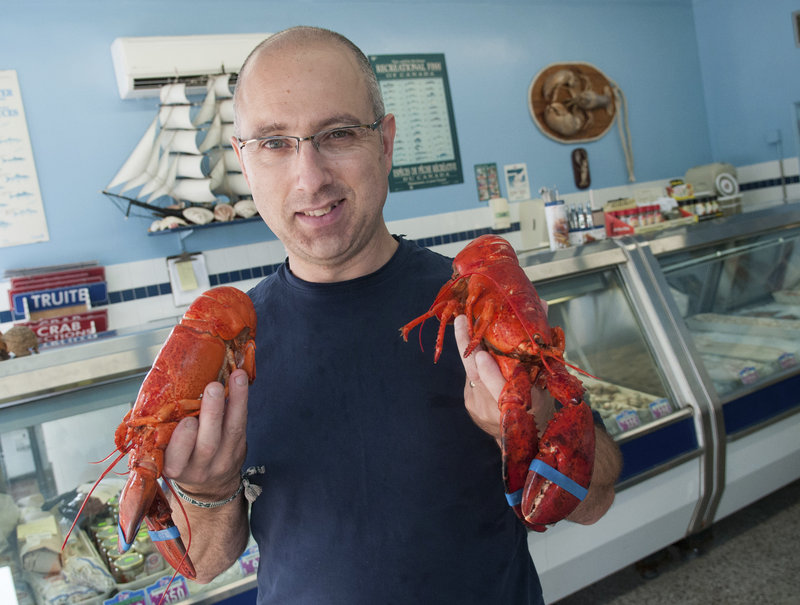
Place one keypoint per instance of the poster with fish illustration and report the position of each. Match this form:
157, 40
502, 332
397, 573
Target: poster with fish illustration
22, 219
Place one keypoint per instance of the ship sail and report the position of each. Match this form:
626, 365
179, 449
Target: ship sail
185, 160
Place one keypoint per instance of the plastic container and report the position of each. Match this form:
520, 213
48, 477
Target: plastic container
555, 213
128, 567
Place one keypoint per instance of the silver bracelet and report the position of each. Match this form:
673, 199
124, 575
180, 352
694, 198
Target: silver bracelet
187, 498
251, 491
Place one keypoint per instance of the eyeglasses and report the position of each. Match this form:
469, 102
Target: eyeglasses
340, 142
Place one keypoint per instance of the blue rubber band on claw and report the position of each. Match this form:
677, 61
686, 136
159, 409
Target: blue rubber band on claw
162, 535
560, 479
124, 546
515, 498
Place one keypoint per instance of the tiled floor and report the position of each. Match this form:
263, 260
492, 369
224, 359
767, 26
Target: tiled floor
751, 556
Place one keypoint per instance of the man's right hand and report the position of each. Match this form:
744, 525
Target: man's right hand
205, 453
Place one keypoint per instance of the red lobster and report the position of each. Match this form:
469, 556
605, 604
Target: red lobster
214, 337
545, 478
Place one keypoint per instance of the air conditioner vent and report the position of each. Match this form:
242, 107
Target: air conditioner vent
191, 82
142, 65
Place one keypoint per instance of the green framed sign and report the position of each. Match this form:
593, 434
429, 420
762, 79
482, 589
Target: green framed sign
415, 89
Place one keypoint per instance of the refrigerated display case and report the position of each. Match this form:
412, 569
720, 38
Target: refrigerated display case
736, 285
57, 414
638, 385
704, 317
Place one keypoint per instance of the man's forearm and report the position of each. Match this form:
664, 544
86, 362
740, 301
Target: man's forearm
607, 466
218, 535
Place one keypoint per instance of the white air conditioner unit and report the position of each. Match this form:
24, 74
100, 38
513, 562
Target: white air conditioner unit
144, 64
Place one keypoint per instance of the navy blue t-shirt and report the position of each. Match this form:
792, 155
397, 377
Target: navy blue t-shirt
379, 488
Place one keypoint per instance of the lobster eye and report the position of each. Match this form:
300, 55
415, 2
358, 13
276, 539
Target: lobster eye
537, 338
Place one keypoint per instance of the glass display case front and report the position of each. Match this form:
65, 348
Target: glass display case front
603, 338
607, 337
741, 303
58, 412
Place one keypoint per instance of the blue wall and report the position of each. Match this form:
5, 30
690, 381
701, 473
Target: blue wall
81, 131
750, 66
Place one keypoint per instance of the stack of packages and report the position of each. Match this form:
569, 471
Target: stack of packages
55, 305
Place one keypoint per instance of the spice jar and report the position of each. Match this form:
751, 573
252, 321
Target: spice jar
153, 562
109, 550
142, 543
127, 567
100, 526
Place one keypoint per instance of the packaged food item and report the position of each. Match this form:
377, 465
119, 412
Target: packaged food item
153, 562
142, 543
109, 550
555, 213
40, 545
128, 567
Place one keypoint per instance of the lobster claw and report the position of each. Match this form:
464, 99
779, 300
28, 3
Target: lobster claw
147, 502
562, 468
166, 537
135, 501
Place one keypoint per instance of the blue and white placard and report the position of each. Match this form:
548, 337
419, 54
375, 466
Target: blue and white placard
22, 219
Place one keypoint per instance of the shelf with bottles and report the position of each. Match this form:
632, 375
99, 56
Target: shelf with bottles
626, 217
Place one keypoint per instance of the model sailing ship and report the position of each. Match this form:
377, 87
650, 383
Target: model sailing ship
183, 170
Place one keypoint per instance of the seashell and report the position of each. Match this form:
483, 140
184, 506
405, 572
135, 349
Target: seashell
224, 212
3, 348
21, 341
170, 222
245, 208
198, 215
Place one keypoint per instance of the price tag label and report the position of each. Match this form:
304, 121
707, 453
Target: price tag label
248, 562
127, 597
177, 591
628, 420
660, 408
748, 375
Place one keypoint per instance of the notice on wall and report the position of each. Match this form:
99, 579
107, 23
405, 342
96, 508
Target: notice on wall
416, 91
22, 219
487, 182
517, 184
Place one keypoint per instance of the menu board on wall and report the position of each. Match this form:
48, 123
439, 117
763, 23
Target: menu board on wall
22, 219
416, 91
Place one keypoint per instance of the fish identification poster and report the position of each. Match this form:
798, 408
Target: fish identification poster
416, 91
22, 219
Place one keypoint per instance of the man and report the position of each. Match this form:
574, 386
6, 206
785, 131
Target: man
378, 487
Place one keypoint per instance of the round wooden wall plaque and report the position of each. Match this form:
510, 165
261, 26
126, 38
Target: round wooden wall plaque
572, 102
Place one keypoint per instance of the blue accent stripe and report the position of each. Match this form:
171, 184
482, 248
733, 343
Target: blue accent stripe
759, 406
658, 447
560, 479
162, 535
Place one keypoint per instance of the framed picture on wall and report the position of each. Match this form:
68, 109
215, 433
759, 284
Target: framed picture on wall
415, 89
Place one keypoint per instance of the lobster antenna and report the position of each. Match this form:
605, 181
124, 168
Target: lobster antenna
86, 499
188, 543
107, 458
